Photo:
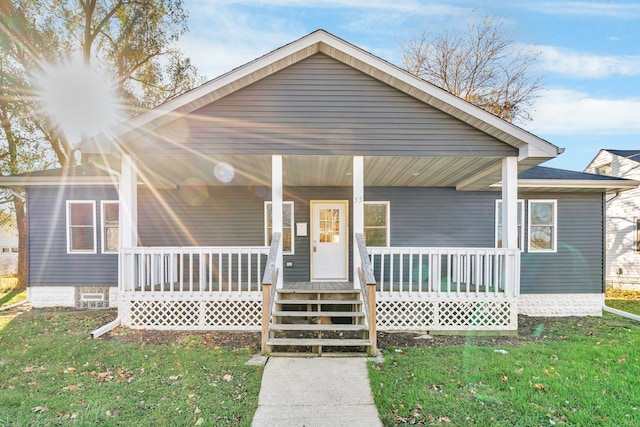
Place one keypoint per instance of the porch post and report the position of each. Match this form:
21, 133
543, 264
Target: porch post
128, 222
128, 199
510, 202
510, 219
358, 213
276, 209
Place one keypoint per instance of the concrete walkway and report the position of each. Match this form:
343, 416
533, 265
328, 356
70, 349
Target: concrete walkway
315, 392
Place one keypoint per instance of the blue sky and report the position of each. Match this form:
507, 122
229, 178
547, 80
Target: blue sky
589, 57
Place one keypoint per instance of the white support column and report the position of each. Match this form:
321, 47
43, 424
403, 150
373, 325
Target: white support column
128, 203
128, 214
358, 212
276, 210
510, 221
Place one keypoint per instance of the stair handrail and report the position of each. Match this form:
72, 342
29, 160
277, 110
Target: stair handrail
269, 281
368, 290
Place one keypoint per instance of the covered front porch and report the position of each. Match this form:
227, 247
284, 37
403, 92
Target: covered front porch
222, 287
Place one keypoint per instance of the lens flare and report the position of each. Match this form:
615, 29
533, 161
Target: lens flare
224, 172
81, 100
194, 191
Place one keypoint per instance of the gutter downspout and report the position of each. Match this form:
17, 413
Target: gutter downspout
619, 312
18, 304
106, 328
115, 323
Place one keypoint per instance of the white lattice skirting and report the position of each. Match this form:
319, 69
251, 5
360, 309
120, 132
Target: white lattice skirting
192, 313
447, 314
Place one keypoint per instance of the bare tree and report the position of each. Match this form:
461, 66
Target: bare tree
480, 64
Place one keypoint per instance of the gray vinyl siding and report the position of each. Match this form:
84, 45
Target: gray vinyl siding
233, 216
321, 106
578, 266
49, 263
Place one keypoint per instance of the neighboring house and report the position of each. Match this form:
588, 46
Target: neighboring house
623, 218
8, 251
329, 147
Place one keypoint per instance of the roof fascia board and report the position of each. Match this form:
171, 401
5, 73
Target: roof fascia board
20, 181
574, 183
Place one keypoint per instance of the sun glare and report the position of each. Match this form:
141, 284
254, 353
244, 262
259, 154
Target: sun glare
81, 100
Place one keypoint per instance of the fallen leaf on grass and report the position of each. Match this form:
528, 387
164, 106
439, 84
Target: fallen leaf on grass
33, 368
72, 387
539, 387
69, 371
227, 378
39, 409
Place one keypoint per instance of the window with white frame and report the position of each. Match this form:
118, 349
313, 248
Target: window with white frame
81, 226
543, 231
520, 216
110, 226
287, 226
376, 223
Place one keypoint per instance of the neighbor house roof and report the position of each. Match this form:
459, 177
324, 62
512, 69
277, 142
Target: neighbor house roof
628, 154
532, 149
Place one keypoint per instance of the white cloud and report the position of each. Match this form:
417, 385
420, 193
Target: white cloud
585, 65
569, 112
583, 8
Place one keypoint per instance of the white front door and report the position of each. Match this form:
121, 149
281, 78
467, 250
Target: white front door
329, 240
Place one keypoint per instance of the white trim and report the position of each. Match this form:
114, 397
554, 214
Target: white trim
292, 227
95, 244
345, 204
520, 218
613, 184
554, 238
276, 211
387, 221
20, 181
103, 237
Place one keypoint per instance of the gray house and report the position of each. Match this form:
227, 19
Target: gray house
337, 172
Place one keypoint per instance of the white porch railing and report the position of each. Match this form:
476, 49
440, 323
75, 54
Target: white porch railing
192, 287
446, 288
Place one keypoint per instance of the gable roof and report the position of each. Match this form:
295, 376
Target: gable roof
530, 146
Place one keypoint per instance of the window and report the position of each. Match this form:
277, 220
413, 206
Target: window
604, 169
287, 226
520, 217
376, 223
542, 226
81, 226
110, 226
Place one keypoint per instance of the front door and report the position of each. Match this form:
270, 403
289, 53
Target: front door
329, 240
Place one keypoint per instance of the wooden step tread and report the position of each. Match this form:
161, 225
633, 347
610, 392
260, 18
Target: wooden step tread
318, 313
326, 342
318, 302
318, 291
317, 327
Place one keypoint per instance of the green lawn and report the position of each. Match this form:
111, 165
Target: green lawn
585, 372
8, 294
628, 301
51, 373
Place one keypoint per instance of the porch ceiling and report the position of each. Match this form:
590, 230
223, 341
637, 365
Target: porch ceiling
172, 171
